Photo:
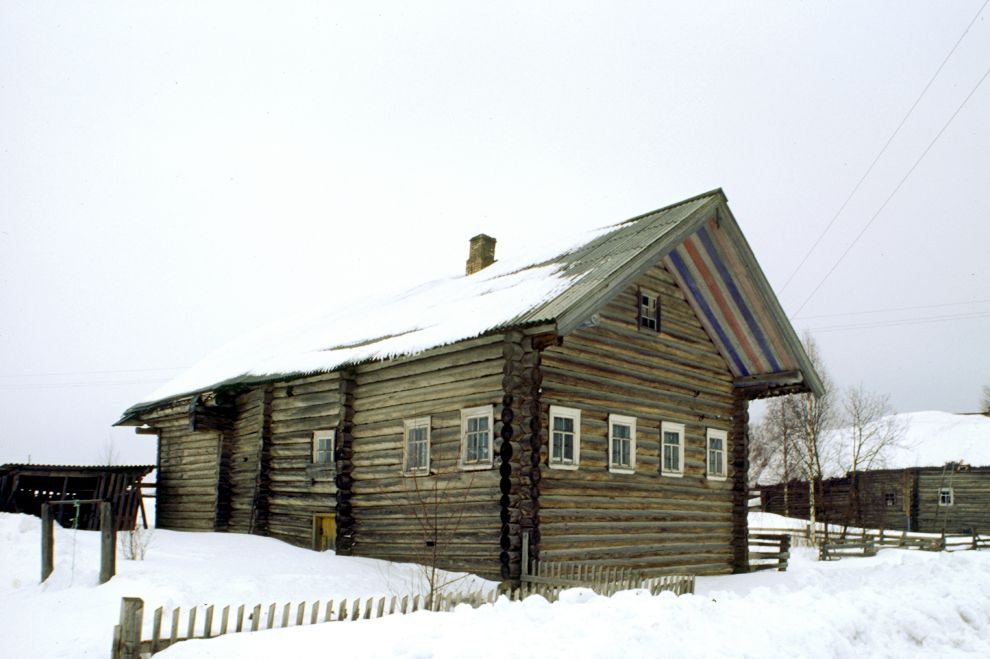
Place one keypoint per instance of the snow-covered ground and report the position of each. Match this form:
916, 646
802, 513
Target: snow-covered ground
898, 604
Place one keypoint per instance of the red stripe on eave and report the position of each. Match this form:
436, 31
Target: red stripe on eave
721, 302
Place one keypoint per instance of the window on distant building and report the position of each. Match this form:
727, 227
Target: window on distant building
889, 499
565, 437
477, 424
946, 496
622, 444
672, 449
323, 447
649, 310
717, 440
416, 456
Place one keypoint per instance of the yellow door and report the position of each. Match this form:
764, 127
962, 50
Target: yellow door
325, 532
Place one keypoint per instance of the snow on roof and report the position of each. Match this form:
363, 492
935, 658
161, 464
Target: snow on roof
932, 439
379, 327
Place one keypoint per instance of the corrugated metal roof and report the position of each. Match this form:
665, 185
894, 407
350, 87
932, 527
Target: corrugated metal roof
566, 288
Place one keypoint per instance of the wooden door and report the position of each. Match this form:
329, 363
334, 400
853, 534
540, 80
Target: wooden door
324, 532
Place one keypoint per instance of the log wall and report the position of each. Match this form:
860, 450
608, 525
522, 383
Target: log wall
395, 516
660, 524
971, 500
188, 470
244, 444
296, 489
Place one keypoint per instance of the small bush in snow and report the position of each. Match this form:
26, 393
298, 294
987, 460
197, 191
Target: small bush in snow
134, 544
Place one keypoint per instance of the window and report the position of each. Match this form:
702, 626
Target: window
672, 442
649, 310
477, 424
717, 439
889, 499
565, 437
416, 458
621, 444
323, 447
945, 496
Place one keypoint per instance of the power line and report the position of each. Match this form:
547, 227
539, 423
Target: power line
891, 309
908, 321
884, 149
894, 192
70, 385
64, 373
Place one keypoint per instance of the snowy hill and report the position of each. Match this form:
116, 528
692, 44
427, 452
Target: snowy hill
933, 438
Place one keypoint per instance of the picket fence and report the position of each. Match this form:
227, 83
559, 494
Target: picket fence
207, 621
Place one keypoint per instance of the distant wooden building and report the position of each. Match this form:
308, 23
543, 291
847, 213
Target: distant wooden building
593, 401
25, 487
953, 498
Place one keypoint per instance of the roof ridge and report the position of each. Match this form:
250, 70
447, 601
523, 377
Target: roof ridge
710, 193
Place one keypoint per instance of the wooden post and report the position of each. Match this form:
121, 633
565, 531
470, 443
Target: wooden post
131, 619
47, 542
525, 553
108, 543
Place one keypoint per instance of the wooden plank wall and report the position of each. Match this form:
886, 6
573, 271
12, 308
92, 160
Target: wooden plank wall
186, 493
296, 489
396, 515
971, 506
645, 521
244, 461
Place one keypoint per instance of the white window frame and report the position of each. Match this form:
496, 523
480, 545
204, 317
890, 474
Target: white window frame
488, 412
715, 433
952, 497
407, 425
653, 297
565, 413
317, 436
619, 420
670, 426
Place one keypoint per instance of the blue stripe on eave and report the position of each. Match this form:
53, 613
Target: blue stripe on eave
692, 285
730, 285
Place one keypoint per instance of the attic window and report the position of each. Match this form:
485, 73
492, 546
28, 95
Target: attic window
649, 310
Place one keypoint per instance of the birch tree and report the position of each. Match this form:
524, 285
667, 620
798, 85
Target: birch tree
985, 400
871, 431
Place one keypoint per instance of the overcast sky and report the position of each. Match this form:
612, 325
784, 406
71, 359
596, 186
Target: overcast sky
173, 174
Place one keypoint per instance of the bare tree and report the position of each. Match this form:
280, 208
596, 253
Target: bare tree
109, 454
871, 430
985, 400
775, 454
814, 417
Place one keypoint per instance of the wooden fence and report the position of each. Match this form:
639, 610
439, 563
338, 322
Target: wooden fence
866, 541
773, 550
200, 622
549, 579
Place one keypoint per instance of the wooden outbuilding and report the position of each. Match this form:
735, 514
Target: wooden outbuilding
25, 487
590, 403
952, 498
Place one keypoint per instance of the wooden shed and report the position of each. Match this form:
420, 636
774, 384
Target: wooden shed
591, 400
952, 498
25, 487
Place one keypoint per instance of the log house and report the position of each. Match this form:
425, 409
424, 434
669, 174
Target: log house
594, 400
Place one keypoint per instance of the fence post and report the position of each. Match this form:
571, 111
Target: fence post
108, 543
47, 542
131, 620
525, 554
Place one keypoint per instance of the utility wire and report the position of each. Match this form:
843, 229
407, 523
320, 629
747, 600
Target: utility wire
894, 192
129, 370
890, 309
883, 150
898, 323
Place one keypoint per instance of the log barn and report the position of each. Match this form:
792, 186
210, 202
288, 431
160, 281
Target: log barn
952, 498
590, 402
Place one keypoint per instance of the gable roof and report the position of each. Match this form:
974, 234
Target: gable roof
697, 239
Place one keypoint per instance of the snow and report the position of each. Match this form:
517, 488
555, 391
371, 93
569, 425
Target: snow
933, 438
380, 326
899, 604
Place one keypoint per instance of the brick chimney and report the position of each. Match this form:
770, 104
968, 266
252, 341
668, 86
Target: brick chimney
482, 253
